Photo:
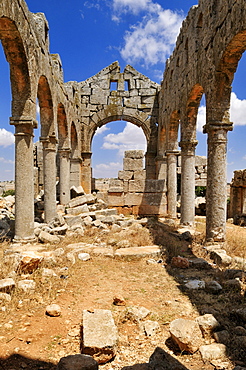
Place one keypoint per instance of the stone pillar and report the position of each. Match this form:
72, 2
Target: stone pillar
172, 182
188, 182
75, 172
150, 165
64, 179
161, 167
49, 168
216, 193
24, 179
86, 172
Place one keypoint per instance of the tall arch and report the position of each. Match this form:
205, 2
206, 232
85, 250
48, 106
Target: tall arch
75, 166
217, 126
49, 141
63, 155
24, 123
188, 145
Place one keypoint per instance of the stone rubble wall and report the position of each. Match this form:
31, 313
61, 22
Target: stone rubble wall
132, 192
200, 170
237, 207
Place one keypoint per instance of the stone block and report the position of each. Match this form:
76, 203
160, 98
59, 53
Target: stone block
77, 210
77, 362
138, 252
132, 102
115, 199
125, 175
133, 199
151, 210
186, 334
200, 160
79, 201
135, 154
137, 186
130, 164
99, 335
139, 175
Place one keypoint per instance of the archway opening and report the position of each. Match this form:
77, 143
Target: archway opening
109, 144
6, 130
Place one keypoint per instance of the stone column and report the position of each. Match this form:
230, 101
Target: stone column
172, 182
24, 179
216, 193
64, 179
188, 182
161, 167
49, 168
86, 172
75, 171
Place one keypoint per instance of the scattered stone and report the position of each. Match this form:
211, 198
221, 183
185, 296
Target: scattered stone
213, 351
119, 300
84, 256
48, 272
151, 327
220, 257
195, 284
45, 237
29, 262
138, 252
27, 285
7, 285
77, 362
53, 310
160, 359
207, 324
222, 336
213, 287
186, 334
136, 314
100, 335
180, 262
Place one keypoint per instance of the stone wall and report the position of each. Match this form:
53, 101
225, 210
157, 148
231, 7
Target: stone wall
132, 192
237, 207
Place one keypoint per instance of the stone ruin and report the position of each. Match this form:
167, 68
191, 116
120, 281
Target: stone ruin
209, 46
237, 208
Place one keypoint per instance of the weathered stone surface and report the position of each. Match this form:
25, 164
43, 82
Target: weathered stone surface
45, 237
213, 351
7, 285
160, 359
137, 252
100, 335
53, 310
77, 362
130, 164
207, 324
29, 262
187, 334
77, 210
27, 285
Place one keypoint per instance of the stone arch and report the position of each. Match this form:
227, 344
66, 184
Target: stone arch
46, 108
75, 162
63, 138
17, 59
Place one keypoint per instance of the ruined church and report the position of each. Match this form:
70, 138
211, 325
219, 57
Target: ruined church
211, 42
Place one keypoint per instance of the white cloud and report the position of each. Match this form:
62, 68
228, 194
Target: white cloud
104, 170
132, 137
152, 40
237, 113
101, 130
6, 138
238, 110
134, 6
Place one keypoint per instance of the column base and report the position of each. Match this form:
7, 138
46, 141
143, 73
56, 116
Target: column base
26, 240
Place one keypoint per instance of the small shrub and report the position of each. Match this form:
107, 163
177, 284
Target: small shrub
8, 192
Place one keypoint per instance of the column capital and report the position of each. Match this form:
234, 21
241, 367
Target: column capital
172, 152
23, 121
86, 155
217, 125
49, 142
64, 150
188, 146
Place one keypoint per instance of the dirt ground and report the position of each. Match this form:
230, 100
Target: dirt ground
29, 339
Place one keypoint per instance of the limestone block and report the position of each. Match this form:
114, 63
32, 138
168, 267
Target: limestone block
29, 262
132, 102
135, 154
207, 324
139, 175
137, 186
45, 237
7, 285
27, 286
77, 210
85, 90
115, 100
186, 334
220, 257
133, 199
115, 199
148, 92
125, 175
99, 96
154, 199
200, 160
203, 175
201, 182
138, 252
148, 100
126, 186
99, 335
130, 164
148, 210
213, 351
83, 199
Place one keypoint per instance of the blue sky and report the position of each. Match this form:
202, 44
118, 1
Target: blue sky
90, 35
